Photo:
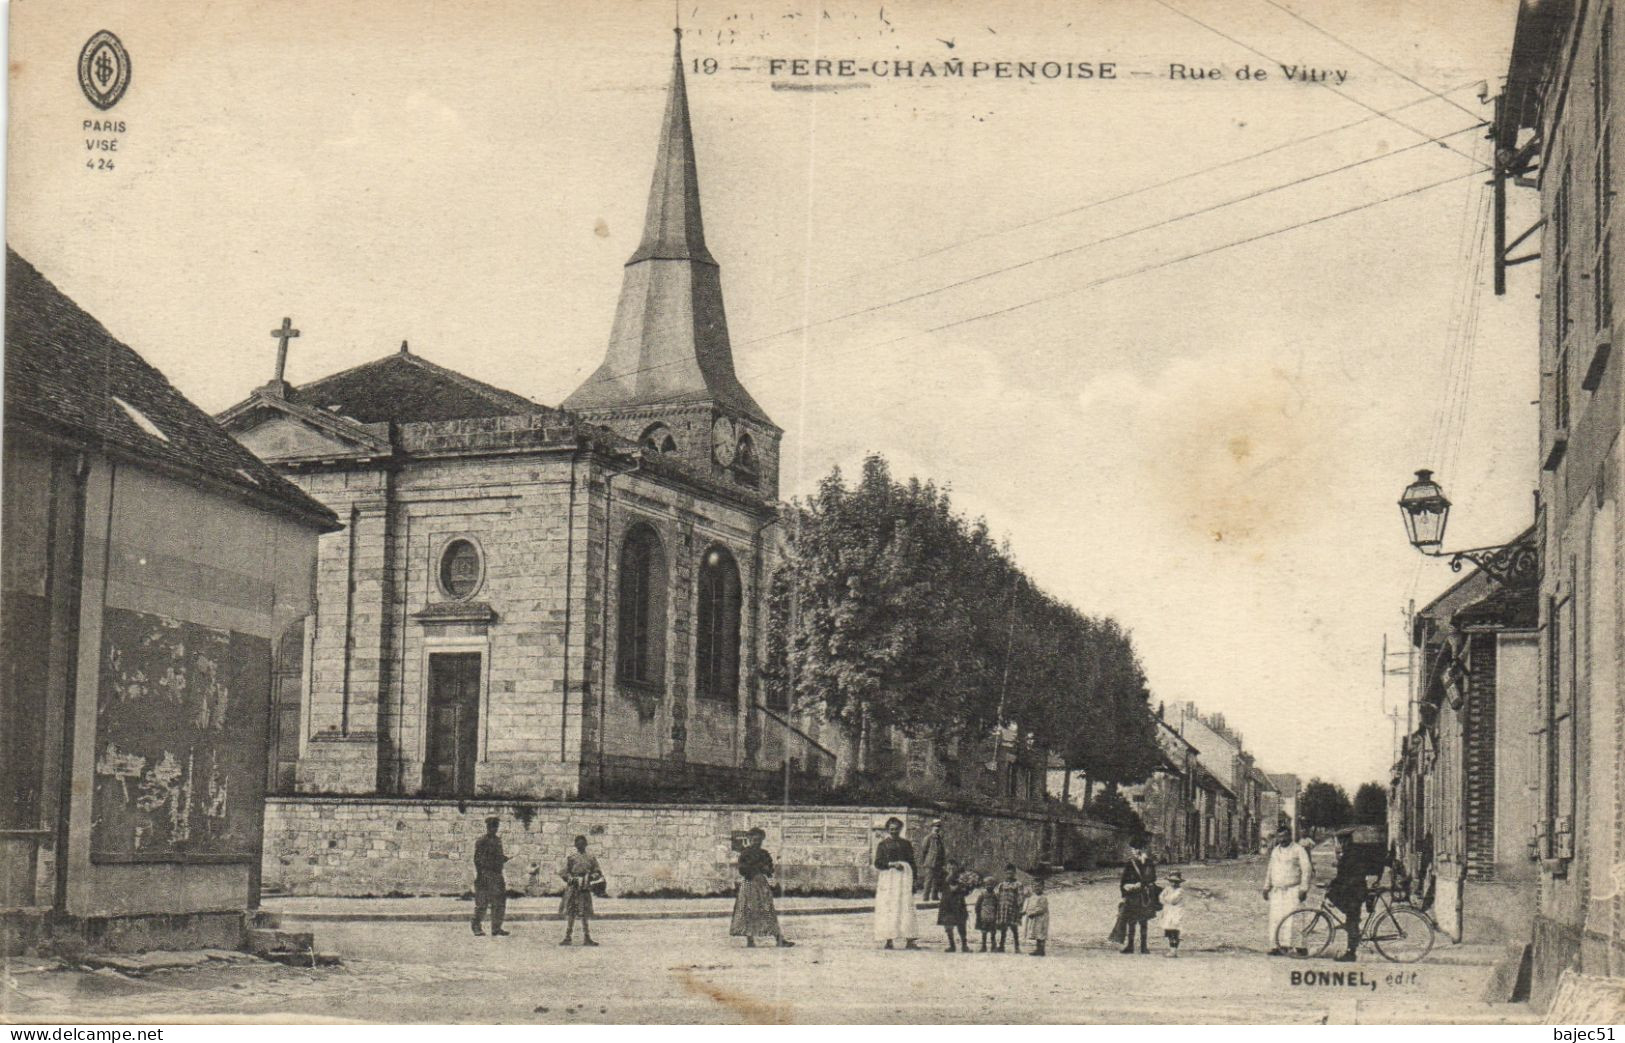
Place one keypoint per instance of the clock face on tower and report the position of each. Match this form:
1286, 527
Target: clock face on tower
724, 442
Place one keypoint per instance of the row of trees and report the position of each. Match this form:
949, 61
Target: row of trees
894, 611
1326, 805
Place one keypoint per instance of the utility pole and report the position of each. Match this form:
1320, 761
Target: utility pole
1388, 669
1410, 663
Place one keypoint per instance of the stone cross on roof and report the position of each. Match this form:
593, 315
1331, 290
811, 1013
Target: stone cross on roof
283, 334
277, 387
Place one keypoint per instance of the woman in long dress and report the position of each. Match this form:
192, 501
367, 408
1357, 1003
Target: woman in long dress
753, 905
894, 890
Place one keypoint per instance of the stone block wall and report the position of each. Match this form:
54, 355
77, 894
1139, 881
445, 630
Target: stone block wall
517, 512
360, 846
349, 652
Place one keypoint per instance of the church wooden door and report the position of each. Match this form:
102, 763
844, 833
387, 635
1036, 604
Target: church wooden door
454, 724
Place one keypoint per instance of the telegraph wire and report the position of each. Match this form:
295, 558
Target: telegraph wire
805, 291
1142, 189
1005, 269
1216, 249
1141, 270
1334, 90
1469, 267
1469, 263
1457, 388
1376, 61
763, 338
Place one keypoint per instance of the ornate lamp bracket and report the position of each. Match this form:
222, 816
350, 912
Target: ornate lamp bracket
1512, 565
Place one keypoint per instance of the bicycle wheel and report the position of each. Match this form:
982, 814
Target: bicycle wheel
1305, 933
1402, 934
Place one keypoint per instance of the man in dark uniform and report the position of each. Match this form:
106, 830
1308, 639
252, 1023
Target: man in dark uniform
933, 860
1347, 891
490, 888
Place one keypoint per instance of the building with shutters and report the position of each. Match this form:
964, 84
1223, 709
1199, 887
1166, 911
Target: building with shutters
1467, 780
1557, 129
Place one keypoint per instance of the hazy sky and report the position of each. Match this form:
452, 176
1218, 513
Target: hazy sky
1204, 440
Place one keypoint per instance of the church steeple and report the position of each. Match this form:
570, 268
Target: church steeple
669, 348
672, 228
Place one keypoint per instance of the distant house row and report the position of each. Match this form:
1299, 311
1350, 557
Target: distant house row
1209, 799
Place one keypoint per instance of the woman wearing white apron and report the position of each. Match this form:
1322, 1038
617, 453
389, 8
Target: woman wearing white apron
894, 889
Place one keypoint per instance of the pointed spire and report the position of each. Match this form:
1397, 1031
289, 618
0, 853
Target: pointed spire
669, 343
672, 229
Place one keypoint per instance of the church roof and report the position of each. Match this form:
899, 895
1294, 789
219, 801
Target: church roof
404, 388
66, 374
669, 344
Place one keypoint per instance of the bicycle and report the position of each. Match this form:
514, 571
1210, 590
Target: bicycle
1400, 933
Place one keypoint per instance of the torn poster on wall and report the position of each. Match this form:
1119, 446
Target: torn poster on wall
180, 740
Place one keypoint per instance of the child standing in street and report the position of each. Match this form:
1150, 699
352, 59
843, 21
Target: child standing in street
1173, 911
987, 913
1010, 894
951, 911
1036, 912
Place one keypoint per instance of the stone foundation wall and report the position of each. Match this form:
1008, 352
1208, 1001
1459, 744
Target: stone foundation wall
373, 846
24, 932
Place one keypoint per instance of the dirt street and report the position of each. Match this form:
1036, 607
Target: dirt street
690, 971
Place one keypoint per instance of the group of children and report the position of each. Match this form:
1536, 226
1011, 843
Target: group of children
1001, 907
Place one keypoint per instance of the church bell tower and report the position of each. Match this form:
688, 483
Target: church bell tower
668, 378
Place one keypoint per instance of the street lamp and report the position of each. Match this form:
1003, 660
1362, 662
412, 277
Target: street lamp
1426, 510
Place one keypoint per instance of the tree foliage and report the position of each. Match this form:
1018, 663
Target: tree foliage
893, 611
1112, 808
1324, 805
1371, 804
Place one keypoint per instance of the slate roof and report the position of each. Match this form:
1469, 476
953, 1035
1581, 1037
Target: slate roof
669, 344
1205, 779
404, 389
67, 375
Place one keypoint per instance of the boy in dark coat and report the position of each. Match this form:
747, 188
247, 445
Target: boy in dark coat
951, 911
987, 913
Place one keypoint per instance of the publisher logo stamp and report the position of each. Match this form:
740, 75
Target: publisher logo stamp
104, 69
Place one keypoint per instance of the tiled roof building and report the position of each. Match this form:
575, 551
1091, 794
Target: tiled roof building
544, 602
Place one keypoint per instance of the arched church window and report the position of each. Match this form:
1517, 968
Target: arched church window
461, 569
716, 667
287, 707
659, 438
640, 655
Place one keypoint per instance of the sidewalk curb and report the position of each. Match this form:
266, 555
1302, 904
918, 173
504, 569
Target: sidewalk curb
540, 917
529, 916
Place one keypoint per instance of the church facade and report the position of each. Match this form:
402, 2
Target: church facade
536, 602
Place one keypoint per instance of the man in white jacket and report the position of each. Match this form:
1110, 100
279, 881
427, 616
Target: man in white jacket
1286, 883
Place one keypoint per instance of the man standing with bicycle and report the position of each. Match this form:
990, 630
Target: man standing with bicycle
1347, 891
1286, 883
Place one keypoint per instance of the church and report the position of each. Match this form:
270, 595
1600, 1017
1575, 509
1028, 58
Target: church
542, 603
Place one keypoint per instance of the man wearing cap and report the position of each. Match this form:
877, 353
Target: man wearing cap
1286, 883
1347, 891
933, 859
490, 888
